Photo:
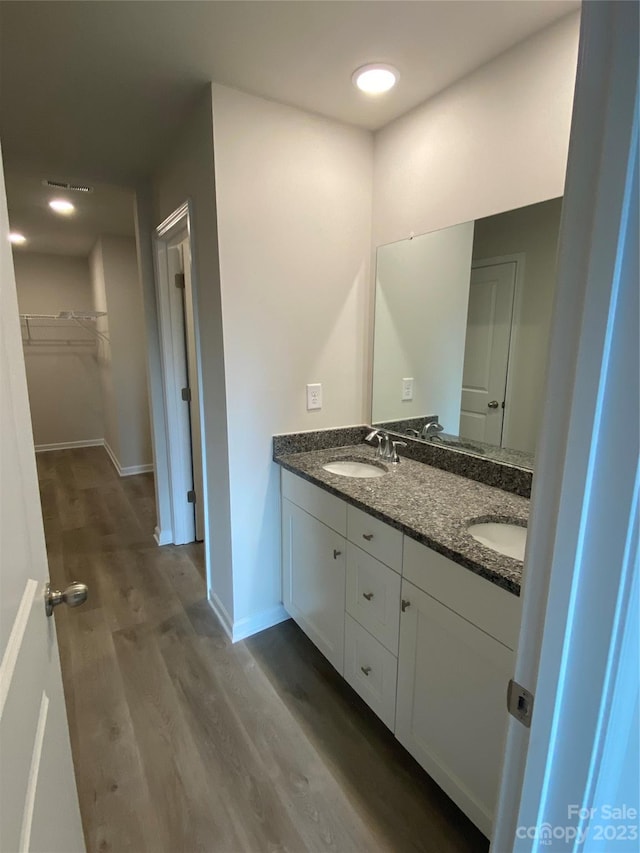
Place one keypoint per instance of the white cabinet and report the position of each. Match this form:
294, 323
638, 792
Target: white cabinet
451, 710
313, 580
436, 673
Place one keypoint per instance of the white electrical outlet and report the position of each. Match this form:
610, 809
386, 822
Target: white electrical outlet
407, 389
314, 396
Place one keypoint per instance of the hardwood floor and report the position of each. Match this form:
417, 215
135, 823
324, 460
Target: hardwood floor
184, 742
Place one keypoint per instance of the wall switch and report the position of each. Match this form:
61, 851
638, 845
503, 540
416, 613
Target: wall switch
407, 389
314, 396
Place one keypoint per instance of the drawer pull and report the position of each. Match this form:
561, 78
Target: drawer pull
405, 604
367, 595
367, 536
336, 554
366, 670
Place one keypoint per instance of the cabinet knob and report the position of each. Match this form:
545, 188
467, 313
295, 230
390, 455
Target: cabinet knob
367, 536
367, 595
336, 554
405, 604
366, 670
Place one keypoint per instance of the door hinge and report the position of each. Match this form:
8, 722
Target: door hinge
191, 496
519, 702
186, 395
180, 280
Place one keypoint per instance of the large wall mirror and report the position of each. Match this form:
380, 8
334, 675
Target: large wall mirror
462, 322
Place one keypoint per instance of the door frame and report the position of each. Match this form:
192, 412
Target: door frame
519, 259
582, 549
176, 414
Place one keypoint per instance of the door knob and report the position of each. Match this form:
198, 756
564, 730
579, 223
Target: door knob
493, 404
75, 594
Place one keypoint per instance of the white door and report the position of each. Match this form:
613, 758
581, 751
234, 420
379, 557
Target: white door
313, 580
486, 352
451, 711
194, 397
38, 797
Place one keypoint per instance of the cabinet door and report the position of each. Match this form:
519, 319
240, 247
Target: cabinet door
451, 707
313, 578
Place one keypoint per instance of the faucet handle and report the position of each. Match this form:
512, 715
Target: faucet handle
395, 457
376, 434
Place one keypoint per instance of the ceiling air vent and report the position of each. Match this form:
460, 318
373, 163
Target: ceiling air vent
62, 185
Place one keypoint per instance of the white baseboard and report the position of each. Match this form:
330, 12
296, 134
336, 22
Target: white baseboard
112, 456
69, 445
221, 612
162, 537
250, 625
130, 470
135, 469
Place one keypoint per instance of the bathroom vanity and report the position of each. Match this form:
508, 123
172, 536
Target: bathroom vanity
420, 619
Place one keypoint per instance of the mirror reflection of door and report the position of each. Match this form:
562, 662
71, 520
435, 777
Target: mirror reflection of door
486, 354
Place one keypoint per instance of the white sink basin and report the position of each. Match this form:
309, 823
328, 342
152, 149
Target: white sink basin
351, 468
505, 538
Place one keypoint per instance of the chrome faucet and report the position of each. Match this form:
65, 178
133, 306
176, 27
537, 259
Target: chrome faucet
387, 449
384, 447
431, 429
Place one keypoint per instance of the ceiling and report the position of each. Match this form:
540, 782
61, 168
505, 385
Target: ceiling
96, 91
106, 210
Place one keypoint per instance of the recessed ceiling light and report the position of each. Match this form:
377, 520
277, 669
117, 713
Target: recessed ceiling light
375, 78
61, 205
17, 238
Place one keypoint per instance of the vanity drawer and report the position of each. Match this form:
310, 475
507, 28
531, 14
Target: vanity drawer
327, 508
375, 537
490, 608
371, 670
373, 596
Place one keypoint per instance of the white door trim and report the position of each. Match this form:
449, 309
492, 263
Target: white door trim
173, 359
582, 546
519, 259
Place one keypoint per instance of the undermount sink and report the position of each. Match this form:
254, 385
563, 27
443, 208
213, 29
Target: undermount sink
501, 536
353, 468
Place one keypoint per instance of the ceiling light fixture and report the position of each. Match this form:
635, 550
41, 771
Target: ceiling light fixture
61, 205
17, 238
375, 78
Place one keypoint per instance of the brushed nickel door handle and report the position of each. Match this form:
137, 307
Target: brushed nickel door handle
74, 595
493, 404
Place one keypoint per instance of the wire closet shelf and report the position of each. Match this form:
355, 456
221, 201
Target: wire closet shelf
53, 329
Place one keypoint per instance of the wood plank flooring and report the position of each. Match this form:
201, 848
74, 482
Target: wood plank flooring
183, 742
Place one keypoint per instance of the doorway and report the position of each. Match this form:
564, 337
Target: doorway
179, 345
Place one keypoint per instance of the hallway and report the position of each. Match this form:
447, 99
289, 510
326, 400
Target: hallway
184, 742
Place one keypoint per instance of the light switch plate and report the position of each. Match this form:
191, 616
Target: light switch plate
407, 389
314, 396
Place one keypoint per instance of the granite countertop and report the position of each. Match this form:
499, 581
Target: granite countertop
430, 505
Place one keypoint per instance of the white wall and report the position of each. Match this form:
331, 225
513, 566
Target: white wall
64, 393
188, 173
111, 433
117, 291
294, 208
533, 231
496, 140
422, 292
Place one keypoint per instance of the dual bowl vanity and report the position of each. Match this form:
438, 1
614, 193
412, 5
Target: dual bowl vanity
413, 606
